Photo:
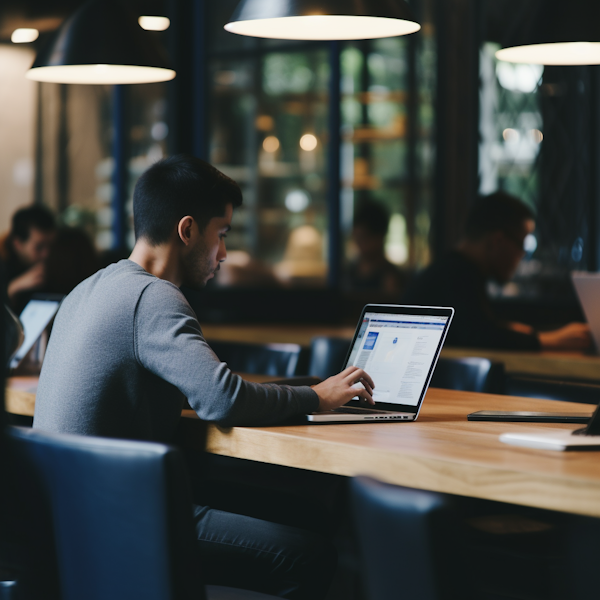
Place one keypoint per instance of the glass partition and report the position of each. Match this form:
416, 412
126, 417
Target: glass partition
387, 159
268, 119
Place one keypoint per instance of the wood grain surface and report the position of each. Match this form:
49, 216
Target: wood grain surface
441, 451
19, 397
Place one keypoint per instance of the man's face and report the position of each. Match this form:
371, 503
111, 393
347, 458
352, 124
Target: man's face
506, 250
35, 248
207, 251
369, 244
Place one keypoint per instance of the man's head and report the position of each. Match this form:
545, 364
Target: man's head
498, 224
33, 229
187, 204
371, 221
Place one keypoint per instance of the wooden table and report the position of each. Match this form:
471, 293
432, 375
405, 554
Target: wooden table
20, 395
556, 365
567, 365
442, 451
20, 392
270, 333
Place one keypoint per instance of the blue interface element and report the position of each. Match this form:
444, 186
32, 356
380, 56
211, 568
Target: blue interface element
370, 341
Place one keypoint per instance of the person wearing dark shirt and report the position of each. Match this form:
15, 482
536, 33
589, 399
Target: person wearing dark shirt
371, 270
24, 251
492, 247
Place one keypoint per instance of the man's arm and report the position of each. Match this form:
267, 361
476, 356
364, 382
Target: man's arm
32, 279
169, 343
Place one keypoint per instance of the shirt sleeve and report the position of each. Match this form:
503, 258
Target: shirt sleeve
169, 343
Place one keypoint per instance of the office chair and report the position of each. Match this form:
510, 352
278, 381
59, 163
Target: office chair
121, 513
552, 389
410, 542
327, 355
469, 375
279, 360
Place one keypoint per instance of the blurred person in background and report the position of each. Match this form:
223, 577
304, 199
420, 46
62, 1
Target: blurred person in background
491, 249
371, 270
24, 250
71, 259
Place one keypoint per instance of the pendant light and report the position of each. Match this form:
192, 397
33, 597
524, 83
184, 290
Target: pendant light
557, 33
101, 43
323, 19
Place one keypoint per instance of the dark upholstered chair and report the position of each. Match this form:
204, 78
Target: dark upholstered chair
552, 389
7, 589
469, 375
121, 512
410, 542
327, 355
279, 360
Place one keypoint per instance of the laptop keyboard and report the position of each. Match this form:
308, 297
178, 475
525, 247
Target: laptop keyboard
356, 411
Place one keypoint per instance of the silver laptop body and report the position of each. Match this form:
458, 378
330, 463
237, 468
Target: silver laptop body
398, 346
587, 286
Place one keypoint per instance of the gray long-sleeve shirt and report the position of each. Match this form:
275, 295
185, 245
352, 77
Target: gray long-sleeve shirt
126, 349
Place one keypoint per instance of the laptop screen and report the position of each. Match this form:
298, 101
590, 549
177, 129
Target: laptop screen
398, 351
35, 318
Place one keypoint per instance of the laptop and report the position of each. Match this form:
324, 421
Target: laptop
398, 346
587, 286
36, 316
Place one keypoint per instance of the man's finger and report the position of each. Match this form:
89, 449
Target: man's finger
368, 386
365, 376
364, 394
348, 371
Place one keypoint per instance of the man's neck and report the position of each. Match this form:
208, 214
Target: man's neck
162, 261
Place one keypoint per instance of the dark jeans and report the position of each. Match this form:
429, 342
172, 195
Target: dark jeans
249, 553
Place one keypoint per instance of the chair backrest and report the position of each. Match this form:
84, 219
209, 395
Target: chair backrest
552, 389
121, 512
327, 355
411, 542
471, 374
280, 360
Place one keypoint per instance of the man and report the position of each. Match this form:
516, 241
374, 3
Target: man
371, 270
24, 251
491, 250
126, 350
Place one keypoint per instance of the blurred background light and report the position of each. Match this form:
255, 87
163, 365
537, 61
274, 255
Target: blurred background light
271, 144
154, 23
308, 142
297, 200
24, 36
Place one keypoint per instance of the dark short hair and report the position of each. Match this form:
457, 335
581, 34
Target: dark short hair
178, 186
373, 216
31, 217
497, 212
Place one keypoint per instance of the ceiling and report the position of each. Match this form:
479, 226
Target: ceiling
47, 15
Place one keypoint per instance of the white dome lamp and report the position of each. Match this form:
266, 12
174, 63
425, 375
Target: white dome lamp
323, 19
101, 43
558, 33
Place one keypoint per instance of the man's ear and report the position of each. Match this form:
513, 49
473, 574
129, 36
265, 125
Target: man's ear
186, 229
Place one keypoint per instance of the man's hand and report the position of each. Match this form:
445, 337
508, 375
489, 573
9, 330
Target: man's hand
341, 388
521, 328
574, 336
32, 279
